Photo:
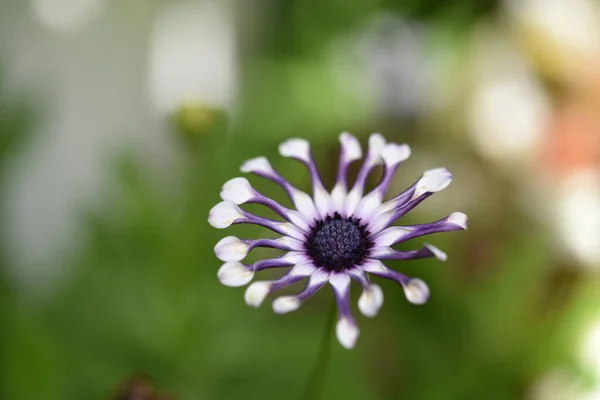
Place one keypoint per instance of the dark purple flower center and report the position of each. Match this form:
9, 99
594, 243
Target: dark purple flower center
338, 243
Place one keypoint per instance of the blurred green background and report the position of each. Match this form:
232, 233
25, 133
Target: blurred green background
120, 121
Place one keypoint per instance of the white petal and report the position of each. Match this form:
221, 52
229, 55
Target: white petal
440, 255
286, 304
433, 181
304, 203
302, 269
370, 300
374, 266
376, 146
368, 205
231, 248
389, 236
322, 201
291, 243
237, 190
258, 164
298, 219
381, 251
340, 281
289, 230
351, 145
416, 291
458, 219
395, 153
352, 200
295, 148
318, 277
295, 257
346, 332
256, 293
224, 214
338, 196
234, 274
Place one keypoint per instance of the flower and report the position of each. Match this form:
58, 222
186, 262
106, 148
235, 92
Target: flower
332, 236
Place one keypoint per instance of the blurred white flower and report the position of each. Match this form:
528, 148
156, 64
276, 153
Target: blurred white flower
66, 15
192, 56
95, 105
557, 384
567, 25
509, 110
578, 219
590, 349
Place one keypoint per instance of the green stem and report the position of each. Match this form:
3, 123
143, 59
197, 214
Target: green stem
317, 376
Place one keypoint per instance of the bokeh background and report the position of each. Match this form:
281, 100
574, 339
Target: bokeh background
120, 120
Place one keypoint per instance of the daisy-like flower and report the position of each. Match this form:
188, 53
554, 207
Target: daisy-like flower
332, 236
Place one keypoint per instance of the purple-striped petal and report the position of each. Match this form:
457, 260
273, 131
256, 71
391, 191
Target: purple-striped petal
415, 290
346, 329
376, 146
399, 234
392, 154
283, 228
239, 191
231, 248
371, 299
304, 204
285, 304
387, 253
299, 149
258, 291
350, 151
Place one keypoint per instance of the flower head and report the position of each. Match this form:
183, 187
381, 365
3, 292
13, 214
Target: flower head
331, 237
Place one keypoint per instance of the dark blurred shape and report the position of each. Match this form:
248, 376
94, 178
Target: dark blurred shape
139, 387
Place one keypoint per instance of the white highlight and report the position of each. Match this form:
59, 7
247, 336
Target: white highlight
433, 181
395, 153
257, 165
237, 190
224, 214
286, 304
416, 291
231, 248
256, 293
234, 274
458, 219
370, 300
295, 148
351, 145
346, 332
439, 254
